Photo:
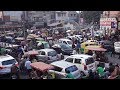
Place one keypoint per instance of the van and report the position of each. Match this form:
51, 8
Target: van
61, 67
82, 61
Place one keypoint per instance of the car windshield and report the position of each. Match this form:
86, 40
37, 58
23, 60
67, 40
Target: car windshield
65, 46
69, 42
46, 45
71, 68
52, 53
89, 61
8, 62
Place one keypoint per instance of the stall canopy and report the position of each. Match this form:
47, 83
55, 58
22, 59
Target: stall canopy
41, 66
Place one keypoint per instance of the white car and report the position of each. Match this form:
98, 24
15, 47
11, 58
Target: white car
82, 61
117, 47
91, 41
66, 41
60, 67
47, 55
6, 62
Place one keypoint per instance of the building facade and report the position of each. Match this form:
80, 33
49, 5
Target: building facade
13, 15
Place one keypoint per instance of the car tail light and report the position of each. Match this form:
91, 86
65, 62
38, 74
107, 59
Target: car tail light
17, 64
85, 67
2, 67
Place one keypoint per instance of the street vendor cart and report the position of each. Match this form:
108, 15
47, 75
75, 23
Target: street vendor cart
40, 70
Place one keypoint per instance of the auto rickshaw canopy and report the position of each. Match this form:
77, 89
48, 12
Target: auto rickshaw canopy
93, 48
41, 66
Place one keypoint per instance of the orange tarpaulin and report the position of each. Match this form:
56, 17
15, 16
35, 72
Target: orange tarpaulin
41, 66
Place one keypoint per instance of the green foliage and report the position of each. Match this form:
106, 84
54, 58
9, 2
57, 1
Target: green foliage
91, 16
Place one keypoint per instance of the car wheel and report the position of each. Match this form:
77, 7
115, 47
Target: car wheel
83, 74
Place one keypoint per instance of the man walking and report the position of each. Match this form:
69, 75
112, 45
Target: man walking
28, 67
78, 47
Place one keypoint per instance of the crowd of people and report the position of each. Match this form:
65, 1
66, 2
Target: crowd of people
112, 72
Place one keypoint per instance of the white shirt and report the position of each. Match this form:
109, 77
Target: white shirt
27, 65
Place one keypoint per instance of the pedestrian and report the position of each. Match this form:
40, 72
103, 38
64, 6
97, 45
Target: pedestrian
28, 67
90, 74
69, 75
78, 47
107, 73
15, 71
73, 45
119, 56
100, 70
112, 51
118, 69
96, 75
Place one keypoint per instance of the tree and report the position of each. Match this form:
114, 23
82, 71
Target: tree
91, 16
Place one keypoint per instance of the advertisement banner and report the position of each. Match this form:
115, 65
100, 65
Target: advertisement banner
108, 23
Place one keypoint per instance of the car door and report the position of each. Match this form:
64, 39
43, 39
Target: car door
78, 63
42, 56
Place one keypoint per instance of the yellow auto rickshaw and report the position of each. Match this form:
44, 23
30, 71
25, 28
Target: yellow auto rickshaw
86, 44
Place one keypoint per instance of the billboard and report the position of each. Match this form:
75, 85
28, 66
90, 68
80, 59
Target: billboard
108, 23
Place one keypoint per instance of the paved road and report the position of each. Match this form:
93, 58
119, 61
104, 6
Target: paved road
114, 59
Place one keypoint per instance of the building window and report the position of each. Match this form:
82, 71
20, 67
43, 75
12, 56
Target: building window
71, 15
64, 14
59, 14
74, 14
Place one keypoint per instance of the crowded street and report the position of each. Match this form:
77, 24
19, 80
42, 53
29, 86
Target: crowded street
65, 49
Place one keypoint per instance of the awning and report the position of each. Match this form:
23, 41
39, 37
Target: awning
54, 24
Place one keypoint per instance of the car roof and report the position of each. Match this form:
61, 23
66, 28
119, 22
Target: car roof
81, 56
62, 64
61, 44
64, 39
5, 57
47, 50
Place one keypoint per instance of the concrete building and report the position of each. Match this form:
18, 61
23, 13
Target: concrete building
61, 16
111, 14
49, 17
73, 15
106, 20
14, 15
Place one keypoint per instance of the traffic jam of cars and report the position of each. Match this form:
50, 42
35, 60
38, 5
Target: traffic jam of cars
69, 57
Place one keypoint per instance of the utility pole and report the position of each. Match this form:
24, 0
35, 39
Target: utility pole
24, 24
